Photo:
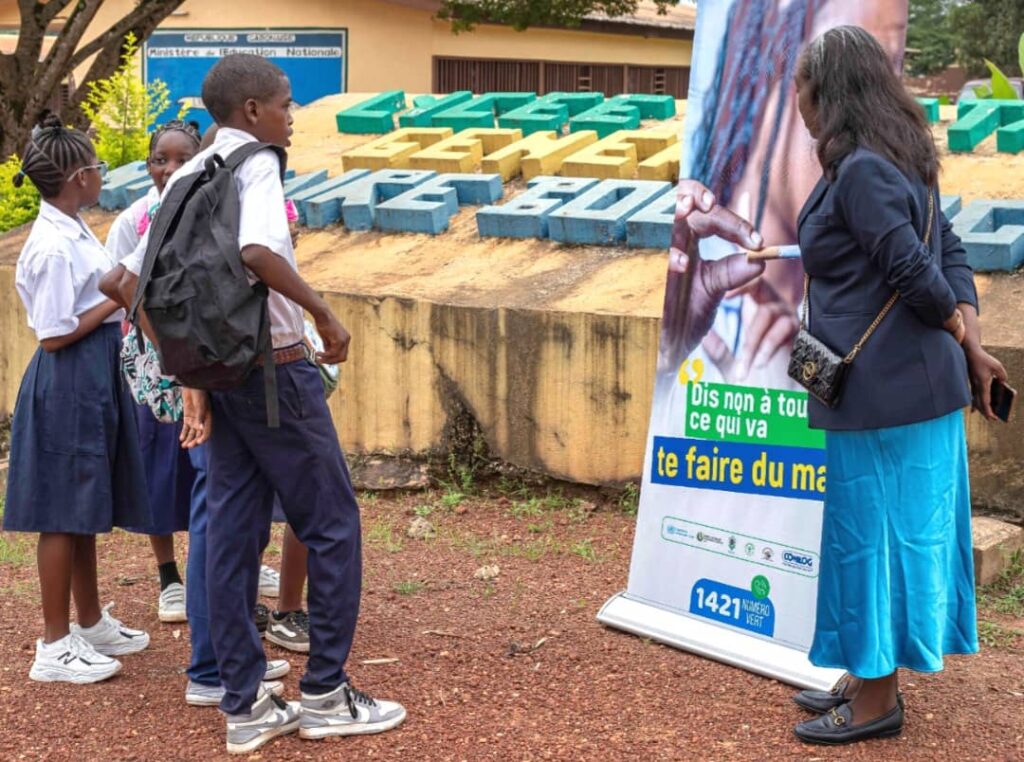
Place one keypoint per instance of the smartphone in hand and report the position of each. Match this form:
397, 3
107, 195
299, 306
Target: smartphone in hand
1003, 397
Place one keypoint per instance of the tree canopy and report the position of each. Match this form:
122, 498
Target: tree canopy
29, 80
930, 36
521, 14
988, 29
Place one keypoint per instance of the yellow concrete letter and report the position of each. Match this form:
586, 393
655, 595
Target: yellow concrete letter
393, 150
463, 152
617, 156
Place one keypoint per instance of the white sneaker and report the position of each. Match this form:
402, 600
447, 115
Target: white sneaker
270, 582
270, 717
71, 660
172, 603
111, 638
277, 668
346, 711
197, 694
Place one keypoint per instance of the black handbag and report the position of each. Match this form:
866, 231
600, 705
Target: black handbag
814, 365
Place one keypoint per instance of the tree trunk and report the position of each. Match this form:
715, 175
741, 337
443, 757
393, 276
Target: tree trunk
29, 81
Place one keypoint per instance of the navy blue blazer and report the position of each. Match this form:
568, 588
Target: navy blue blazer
861, 238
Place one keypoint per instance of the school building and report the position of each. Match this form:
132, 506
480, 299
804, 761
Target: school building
361, 46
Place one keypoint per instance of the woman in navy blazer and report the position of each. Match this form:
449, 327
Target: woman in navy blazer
896, 584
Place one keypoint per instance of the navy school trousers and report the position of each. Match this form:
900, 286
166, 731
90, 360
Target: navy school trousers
302, 462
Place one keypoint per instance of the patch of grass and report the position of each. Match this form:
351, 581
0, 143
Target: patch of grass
629, 500
541, 527
408, 588
462, 472
14, 551
1006, 594
531, 551
996, 635
489, 589
452, 498
585, 550
469, 542
423, 510
525, 509
382, 535
580, 511
368, 497
537, 506
513, 488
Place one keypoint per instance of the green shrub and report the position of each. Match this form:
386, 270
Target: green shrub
17, 205
122, 109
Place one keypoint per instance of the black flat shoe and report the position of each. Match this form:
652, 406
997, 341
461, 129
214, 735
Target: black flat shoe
820, 702
836, 728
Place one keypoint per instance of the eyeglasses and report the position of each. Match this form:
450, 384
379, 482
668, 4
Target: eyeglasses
101, 167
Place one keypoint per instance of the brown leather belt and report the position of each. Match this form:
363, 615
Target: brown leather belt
287, 355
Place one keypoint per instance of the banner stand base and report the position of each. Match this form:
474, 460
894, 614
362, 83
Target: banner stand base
719, 643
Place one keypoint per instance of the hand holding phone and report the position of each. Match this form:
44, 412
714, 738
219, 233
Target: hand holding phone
1003, 397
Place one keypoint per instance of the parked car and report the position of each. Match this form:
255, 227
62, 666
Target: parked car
968, 93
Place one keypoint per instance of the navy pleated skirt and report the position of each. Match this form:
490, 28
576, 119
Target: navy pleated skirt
75, 464
169, 474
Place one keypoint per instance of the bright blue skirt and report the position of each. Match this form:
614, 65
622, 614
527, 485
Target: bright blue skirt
896, 586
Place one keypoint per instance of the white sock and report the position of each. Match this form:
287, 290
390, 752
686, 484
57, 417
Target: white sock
55, 645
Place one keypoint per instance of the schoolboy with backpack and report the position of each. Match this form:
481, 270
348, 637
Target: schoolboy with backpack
220, 289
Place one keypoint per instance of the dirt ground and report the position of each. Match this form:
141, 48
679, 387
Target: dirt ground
515, 668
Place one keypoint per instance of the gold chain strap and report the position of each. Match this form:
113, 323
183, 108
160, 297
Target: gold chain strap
888, 305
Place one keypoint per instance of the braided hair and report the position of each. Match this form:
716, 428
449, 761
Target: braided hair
756, 60
189, 129
52, 156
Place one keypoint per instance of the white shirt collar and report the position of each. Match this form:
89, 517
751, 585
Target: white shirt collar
70, 227
232, 135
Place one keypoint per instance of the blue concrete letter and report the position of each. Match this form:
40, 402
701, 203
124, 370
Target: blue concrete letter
993, 234
428, 207
304, 197
651, 227
599, 216
526, 216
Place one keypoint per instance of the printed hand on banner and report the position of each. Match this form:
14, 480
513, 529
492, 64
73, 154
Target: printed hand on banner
695, 287
769, 327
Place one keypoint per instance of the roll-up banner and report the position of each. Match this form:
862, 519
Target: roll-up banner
725, 558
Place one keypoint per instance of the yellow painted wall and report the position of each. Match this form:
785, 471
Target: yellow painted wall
392, 46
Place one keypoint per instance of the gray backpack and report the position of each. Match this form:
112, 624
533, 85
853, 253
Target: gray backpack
211, 325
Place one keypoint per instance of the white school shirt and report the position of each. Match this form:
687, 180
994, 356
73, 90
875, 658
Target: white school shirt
58, 273
123, 236
263, 221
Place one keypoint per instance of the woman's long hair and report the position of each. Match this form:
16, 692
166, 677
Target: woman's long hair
861, 101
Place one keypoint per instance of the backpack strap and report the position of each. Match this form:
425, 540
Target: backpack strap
270, 379
232, 163
169, 210
247, 150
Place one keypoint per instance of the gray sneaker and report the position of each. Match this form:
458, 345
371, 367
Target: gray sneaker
346, 711
270, 717
290, 630
197, 694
